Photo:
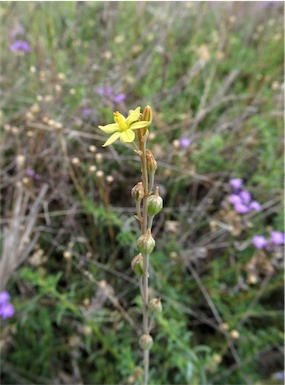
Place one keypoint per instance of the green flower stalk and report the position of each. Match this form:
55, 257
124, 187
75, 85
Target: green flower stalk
134, 129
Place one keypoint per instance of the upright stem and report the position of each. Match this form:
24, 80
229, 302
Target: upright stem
145, 256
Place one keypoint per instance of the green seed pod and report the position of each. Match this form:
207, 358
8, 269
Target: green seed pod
146, 342
138, 192
137, 265
155, 306
155, 204
146, 243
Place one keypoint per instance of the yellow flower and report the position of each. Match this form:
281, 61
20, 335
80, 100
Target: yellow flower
123, 128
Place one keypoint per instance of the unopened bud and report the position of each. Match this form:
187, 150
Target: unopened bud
137, 265
155, 306
138, 192
92, 168
92, 148
86, 302
146, 342
109, 179
87, 330
20, 161
138, 373
155, 204
150, 162
75, 161
234, 334
224, 326
67, 255
217, 358
146, 243
147, 114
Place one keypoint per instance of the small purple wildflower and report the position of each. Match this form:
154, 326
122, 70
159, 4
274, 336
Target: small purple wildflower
32, 174
20, 46
185, 142
279, 376
276, 237
235, 199
4, 297
245, 196
241, 198
259, 241
255, 206
236, 183
241, 208
86, 112
6, 308
6, 311
119, 98
106, 91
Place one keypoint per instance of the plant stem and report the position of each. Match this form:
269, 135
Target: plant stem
146, 256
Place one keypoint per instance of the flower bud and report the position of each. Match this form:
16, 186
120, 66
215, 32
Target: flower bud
138, 192
155, 306
146, 342
150, 162
137, 265
146, 243
234, 334
147, 114
155, 204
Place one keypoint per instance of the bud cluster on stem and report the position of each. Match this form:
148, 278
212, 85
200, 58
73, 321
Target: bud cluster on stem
147, 206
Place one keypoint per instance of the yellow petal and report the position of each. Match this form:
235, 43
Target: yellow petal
133, 117
127, 136
109, 128
137, 125
120, 120
112, 139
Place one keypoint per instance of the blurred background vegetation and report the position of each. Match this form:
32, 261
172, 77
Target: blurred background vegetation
213, 74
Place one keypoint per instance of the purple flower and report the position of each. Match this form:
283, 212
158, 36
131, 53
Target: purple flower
279, 376
255, 206
245, 196
276, 237
106, 91
32, 174
241, 208
235, 199
185, 142
86, 112
4, 297
20, 46
259, 241
6, 310
236, 183
119, 98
